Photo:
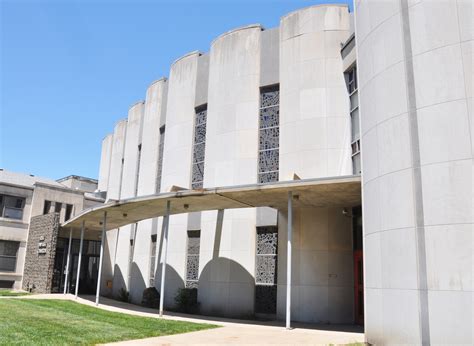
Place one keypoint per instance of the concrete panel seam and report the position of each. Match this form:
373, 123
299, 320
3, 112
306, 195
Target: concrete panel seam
416, 176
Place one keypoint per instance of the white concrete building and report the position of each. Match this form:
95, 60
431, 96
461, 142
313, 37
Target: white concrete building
385, 93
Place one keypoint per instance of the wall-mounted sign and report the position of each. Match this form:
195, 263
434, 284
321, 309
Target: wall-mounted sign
42, 247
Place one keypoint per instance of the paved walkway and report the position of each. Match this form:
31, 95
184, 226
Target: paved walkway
235, 332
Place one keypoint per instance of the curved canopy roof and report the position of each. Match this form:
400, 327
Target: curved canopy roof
344, 191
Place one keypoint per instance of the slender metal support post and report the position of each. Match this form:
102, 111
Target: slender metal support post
80, 258
288, 261
166, 223
66, 279
101, 258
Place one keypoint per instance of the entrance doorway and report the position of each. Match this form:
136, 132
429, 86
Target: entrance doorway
87, 276
358, 287
89, 266
358, 266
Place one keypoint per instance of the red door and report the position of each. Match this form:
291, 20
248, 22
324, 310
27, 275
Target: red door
358, 287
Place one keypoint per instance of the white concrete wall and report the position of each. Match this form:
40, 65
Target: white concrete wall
315, 142
322, 288
177, 160
415, 86
314, 106
155, 106
118, 146
226, 284
128, 190
105, 159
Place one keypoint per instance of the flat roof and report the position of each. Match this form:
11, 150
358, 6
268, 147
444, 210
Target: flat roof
343, 191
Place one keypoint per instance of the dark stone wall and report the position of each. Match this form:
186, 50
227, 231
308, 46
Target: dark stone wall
40, 253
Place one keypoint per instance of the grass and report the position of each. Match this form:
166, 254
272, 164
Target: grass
62, 322
8, 293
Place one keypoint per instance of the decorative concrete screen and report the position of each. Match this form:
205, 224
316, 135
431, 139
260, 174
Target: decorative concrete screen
199, 148
192, 259
266, 271
269, 135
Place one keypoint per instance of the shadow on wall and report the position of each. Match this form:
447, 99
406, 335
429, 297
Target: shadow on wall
137, 284
118, 281
226, 289
173, 282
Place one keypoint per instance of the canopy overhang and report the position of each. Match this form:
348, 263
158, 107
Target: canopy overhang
344, 191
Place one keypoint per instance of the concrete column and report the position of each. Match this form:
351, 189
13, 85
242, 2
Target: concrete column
67, 261
165, 247
80, 258
288, 267
101, 258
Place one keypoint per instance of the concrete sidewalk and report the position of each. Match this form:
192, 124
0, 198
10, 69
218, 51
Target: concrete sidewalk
236, 332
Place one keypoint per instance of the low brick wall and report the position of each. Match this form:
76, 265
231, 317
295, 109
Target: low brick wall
40, 253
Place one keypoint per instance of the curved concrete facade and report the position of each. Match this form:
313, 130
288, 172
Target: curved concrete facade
303, 56
314, 126
105, 158
415, 84
315, 137
227, 266
177, 160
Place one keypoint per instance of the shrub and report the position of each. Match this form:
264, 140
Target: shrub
123, 295
186, 300
151, 298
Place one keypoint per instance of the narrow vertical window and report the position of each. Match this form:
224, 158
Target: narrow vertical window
199, 147
351, 81
152, 260
269, 134
192, 259
68, 212
266, 270
46, 207
161, 148
137, 175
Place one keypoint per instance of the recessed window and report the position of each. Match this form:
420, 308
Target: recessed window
152, 260
68, 212
46, 207
192, 259
351, 81
161, 149
266, 270
199, 147
269, 134
8, 253
12, 207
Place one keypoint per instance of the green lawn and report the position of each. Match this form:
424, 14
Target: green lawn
8, 293
61, 322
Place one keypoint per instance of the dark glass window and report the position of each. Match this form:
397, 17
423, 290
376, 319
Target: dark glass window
161, 149
8, 253
68, 212
12, 207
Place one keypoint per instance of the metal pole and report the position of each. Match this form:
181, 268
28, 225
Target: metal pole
166, 222
80, 258
67, 261
288, 266
104, 223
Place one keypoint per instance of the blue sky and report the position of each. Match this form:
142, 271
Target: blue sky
70, 69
